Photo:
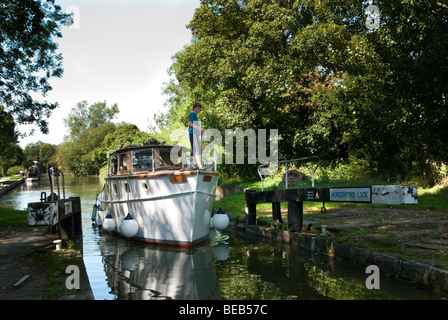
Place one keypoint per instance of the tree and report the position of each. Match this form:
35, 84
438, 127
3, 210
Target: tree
413, 41
47, 155
8, 134
125, 135
43, 153
8, 142
28, 58
87, 155
83, 118
331, 84
246, 59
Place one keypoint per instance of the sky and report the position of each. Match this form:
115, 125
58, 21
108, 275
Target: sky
117, 51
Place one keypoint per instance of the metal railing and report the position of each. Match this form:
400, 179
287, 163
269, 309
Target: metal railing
53, 174
286, 168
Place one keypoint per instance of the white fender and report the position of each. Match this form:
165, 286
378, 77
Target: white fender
221, 252
94, 211
108, 223
99, 216
220, 220
129, 227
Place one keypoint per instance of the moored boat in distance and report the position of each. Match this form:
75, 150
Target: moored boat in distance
148, 197
33, 174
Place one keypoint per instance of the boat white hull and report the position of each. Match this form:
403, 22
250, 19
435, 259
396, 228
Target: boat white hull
169, 208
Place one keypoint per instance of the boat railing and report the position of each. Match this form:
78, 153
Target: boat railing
286, 168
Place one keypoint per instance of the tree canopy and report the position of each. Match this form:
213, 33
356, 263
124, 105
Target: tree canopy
92, 137
29, 58
82, 118
83, 152
333, 83
8, 135
43, 153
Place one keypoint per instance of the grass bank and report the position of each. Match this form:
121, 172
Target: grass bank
8, 180
56, 264
12, 218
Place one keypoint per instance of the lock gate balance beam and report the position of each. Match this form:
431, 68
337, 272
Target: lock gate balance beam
377, 194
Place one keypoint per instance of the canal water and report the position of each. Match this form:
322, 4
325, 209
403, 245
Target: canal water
229, 266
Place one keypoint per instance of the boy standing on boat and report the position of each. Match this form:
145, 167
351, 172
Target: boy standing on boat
194, 130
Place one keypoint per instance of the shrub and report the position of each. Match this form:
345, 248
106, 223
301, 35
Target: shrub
14, 170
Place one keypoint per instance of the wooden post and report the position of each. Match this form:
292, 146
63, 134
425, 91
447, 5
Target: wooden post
295, 215
276, 212
251, 209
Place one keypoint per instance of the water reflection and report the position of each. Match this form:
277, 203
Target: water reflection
239, 268
284, 270
141, 272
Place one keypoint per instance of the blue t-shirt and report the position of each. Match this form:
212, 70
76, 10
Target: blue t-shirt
193, 117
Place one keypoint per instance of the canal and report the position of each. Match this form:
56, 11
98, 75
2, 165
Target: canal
228, 266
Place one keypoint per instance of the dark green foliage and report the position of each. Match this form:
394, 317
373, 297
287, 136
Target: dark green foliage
43, 153
8, 134
28, 58
331, 85
87, 155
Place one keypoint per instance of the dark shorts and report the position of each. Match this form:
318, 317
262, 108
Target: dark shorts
195, 144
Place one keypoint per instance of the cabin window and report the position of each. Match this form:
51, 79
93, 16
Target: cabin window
127, 188
145, 186
123, 163
115, 189
142, 160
